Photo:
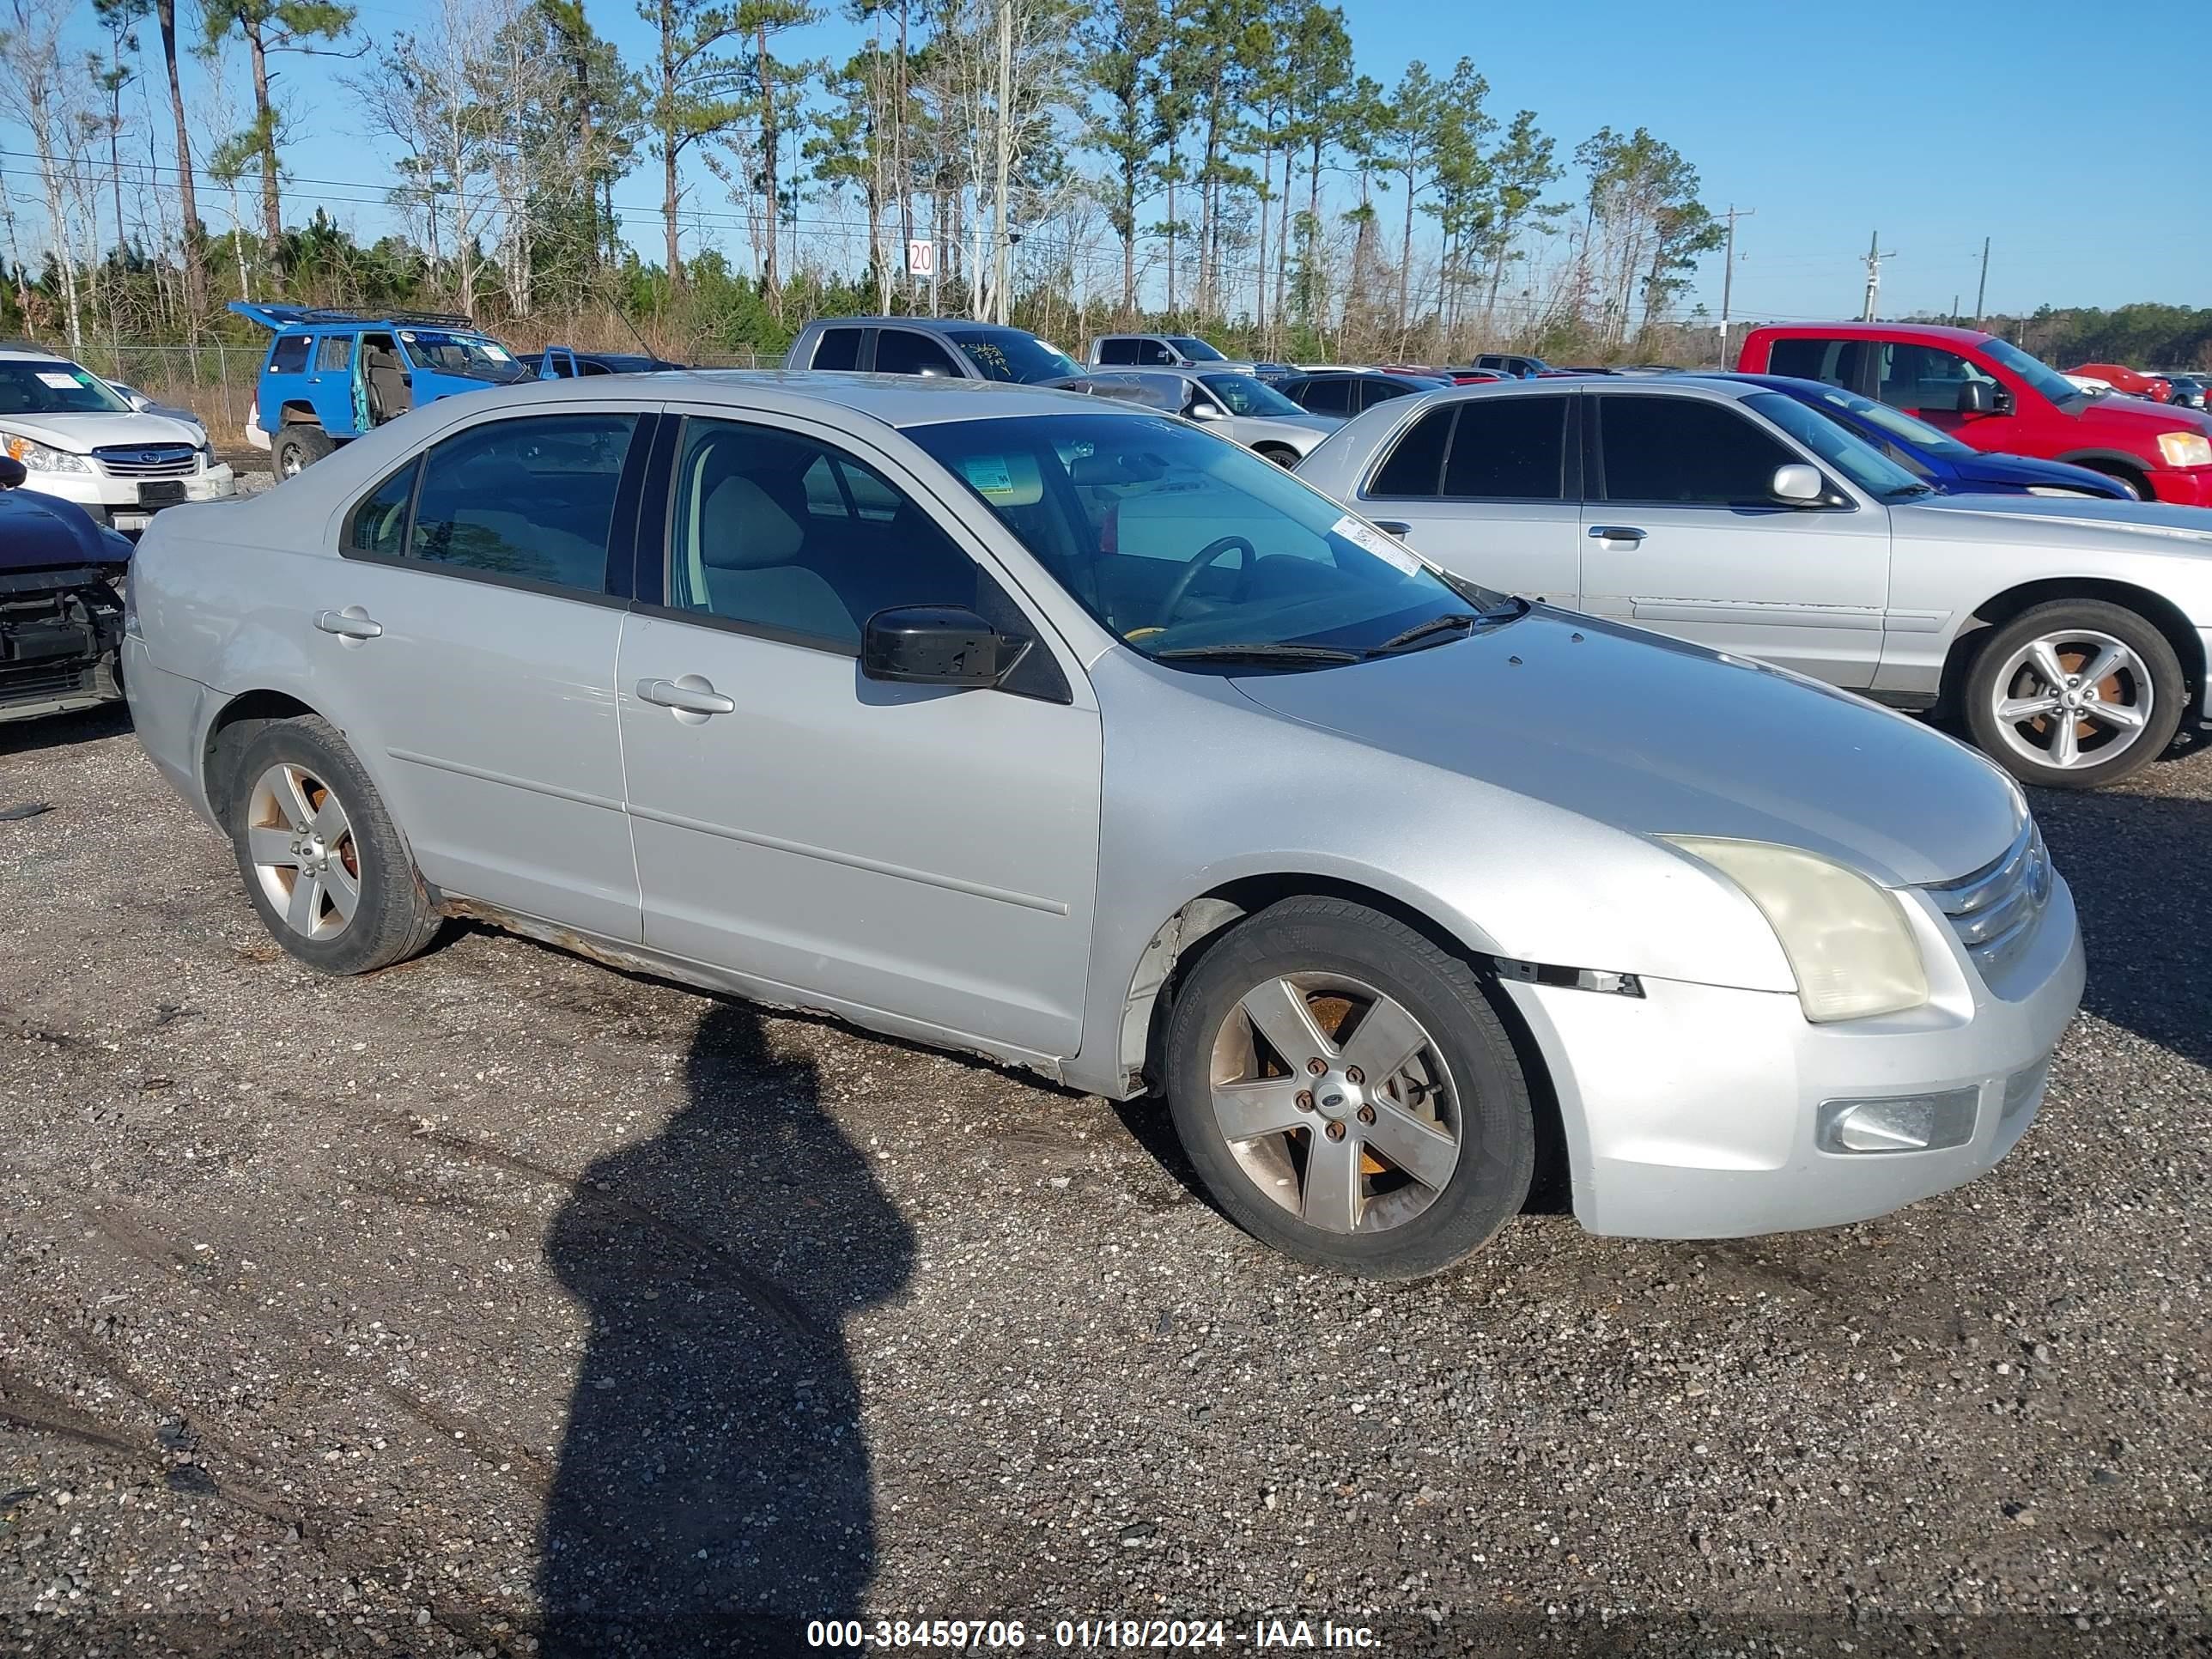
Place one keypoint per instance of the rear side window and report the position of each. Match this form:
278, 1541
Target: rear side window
378, 524
1508, 449
289, 355
1117, 352
838, 347
1685, 451
1331, 396
333, 351
903, 351
1415, 467
532, 500
1838, 363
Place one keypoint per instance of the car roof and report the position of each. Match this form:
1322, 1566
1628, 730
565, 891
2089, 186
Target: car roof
29, 354
926, 325
1932, 333
897, 400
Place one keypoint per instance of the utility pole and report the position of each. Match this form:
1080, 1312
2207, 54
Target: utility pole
1727, 274
1002, 252
1875, 254
1982, 287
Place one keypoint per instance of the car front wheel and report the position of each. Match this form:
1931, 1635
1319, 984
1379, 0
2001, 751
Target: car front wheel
1344, 1089
2075, 693
326, 867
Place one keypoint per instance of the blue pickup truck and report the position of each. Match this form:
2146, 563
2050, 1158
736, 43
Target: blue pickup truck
332, 375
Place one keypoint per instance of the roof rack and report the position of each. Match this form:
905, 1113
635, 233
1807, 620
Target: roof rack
276, 315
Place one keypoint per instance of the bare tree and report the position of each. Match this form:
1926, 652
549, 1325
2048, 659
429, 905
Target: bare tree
48, 101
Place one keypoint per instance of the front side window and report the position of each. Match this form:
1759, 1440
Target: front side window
1508, 449
533, 500
1188, 549
289, 355
838, 347
1158, 355
333, 351
54, 386
788, 537
1685, 452
1330, 396
1922, 377
904, 351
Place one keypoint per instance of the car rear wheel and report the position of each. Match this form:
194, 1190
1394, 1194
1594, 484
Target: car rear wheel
1280, 454
2075, 693
326, 867
299, 447
1347, 1093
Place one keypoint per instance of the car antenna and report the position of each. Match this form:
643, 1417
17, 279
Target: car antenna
635, 336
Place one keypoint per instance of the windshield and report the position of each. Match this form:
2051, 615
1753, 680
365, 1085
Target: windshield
470, 356
1195, 349
2037, 373
1181, 545
1841, 448
1245, 396
1898, 424
53, 386
1007, 354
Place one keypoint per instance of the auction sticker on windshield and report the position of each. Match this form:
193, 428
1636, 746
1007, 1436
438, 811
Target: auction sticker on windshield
60, 382
988, 473
1375, 542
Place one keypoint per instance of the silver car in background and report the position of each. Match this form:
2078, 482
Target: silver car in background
1236, 406
1056, 730
2073, 635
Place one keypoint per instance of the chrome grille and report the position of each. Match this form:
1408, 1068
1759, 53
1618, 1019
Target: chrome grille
1996, 910
149, 460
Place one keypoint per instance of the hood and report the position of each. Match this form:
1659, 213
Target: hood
1654, 736
82, 433
37, 531
2138, 418
2023, 472
2155, 526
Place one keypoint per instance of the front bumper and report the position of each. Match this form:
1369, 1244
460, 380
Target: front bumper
2186, 487
1690, 1113
129, 504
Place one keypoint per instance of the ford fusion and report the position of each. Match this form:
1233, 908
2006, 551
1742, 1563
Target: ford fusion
1073, 735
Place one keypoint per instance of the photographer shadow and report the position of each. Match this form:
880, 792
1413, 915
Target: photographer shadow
712, 1490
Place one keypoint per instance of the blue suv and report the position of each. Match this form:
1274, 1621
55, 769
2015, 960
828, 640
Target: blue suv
332, 375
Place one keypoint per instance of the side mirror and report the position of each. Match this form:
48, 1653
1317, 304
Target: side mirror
1205, 410
1977, 397
1798, 485
12, 472
140, 401
937, 645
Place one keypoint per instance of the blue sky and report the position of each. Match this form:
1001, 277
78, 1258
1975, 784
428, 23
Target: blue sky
1936, 124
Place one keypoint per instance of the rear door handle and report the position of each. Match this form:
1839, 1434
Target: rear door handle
692, 695
1616, 532
351, 623
1393, 526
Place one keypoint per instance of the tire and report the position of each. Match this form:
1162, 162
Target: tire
301, 770
1461, 1087
299, 447
2024, 674
1281, 454
2134, 480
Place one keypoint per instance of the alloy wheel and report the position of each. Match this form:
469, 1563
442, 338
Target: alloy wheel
2073, 699
302, 850
1336, 1102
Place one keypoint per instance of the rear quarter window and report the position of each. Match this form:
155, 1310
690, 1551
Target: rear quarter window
289, 355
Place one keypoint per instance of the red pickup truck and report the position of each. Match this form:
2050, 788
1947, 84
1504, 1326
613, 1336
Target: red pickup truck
1988, 393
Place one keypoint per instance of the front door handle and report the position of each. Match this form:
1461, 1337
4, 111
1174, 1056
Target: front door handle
1394, 527
694, 694
351, 624
1616, 532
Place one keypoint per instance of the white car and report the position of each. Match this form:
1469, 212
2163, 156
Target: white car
82, 441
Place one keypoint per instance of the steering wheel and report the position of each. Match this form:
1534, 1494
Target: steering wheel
1179, 590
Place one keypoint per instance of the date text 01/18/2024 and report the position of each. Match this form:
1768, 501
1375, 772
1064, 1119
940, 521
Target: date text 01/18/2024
1008, 1635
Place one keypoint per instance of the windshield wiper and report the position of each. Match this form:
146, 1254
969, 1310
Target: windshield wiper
1467, 619
1910, 492
1257, 651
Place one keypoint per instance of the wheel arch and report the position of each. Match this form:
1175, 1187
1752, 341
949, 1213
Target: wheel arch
1999, 608
2113, 463
236, 725
1181, 942
297, 411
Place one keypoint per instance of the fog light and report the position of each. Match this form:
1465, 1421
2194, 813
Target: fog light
1901, 1123
2024, 1089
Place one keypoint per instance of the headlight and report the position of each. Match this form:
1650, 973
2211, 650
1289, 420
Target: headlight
40, 458
2185, 448
1847, 940
207, 456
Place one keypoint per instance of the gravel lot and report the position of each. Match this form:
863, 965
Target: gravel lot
501, 1302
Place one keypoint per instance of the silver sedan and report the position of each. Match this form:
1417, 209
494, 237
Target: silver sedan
1066, 733
2072, 635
